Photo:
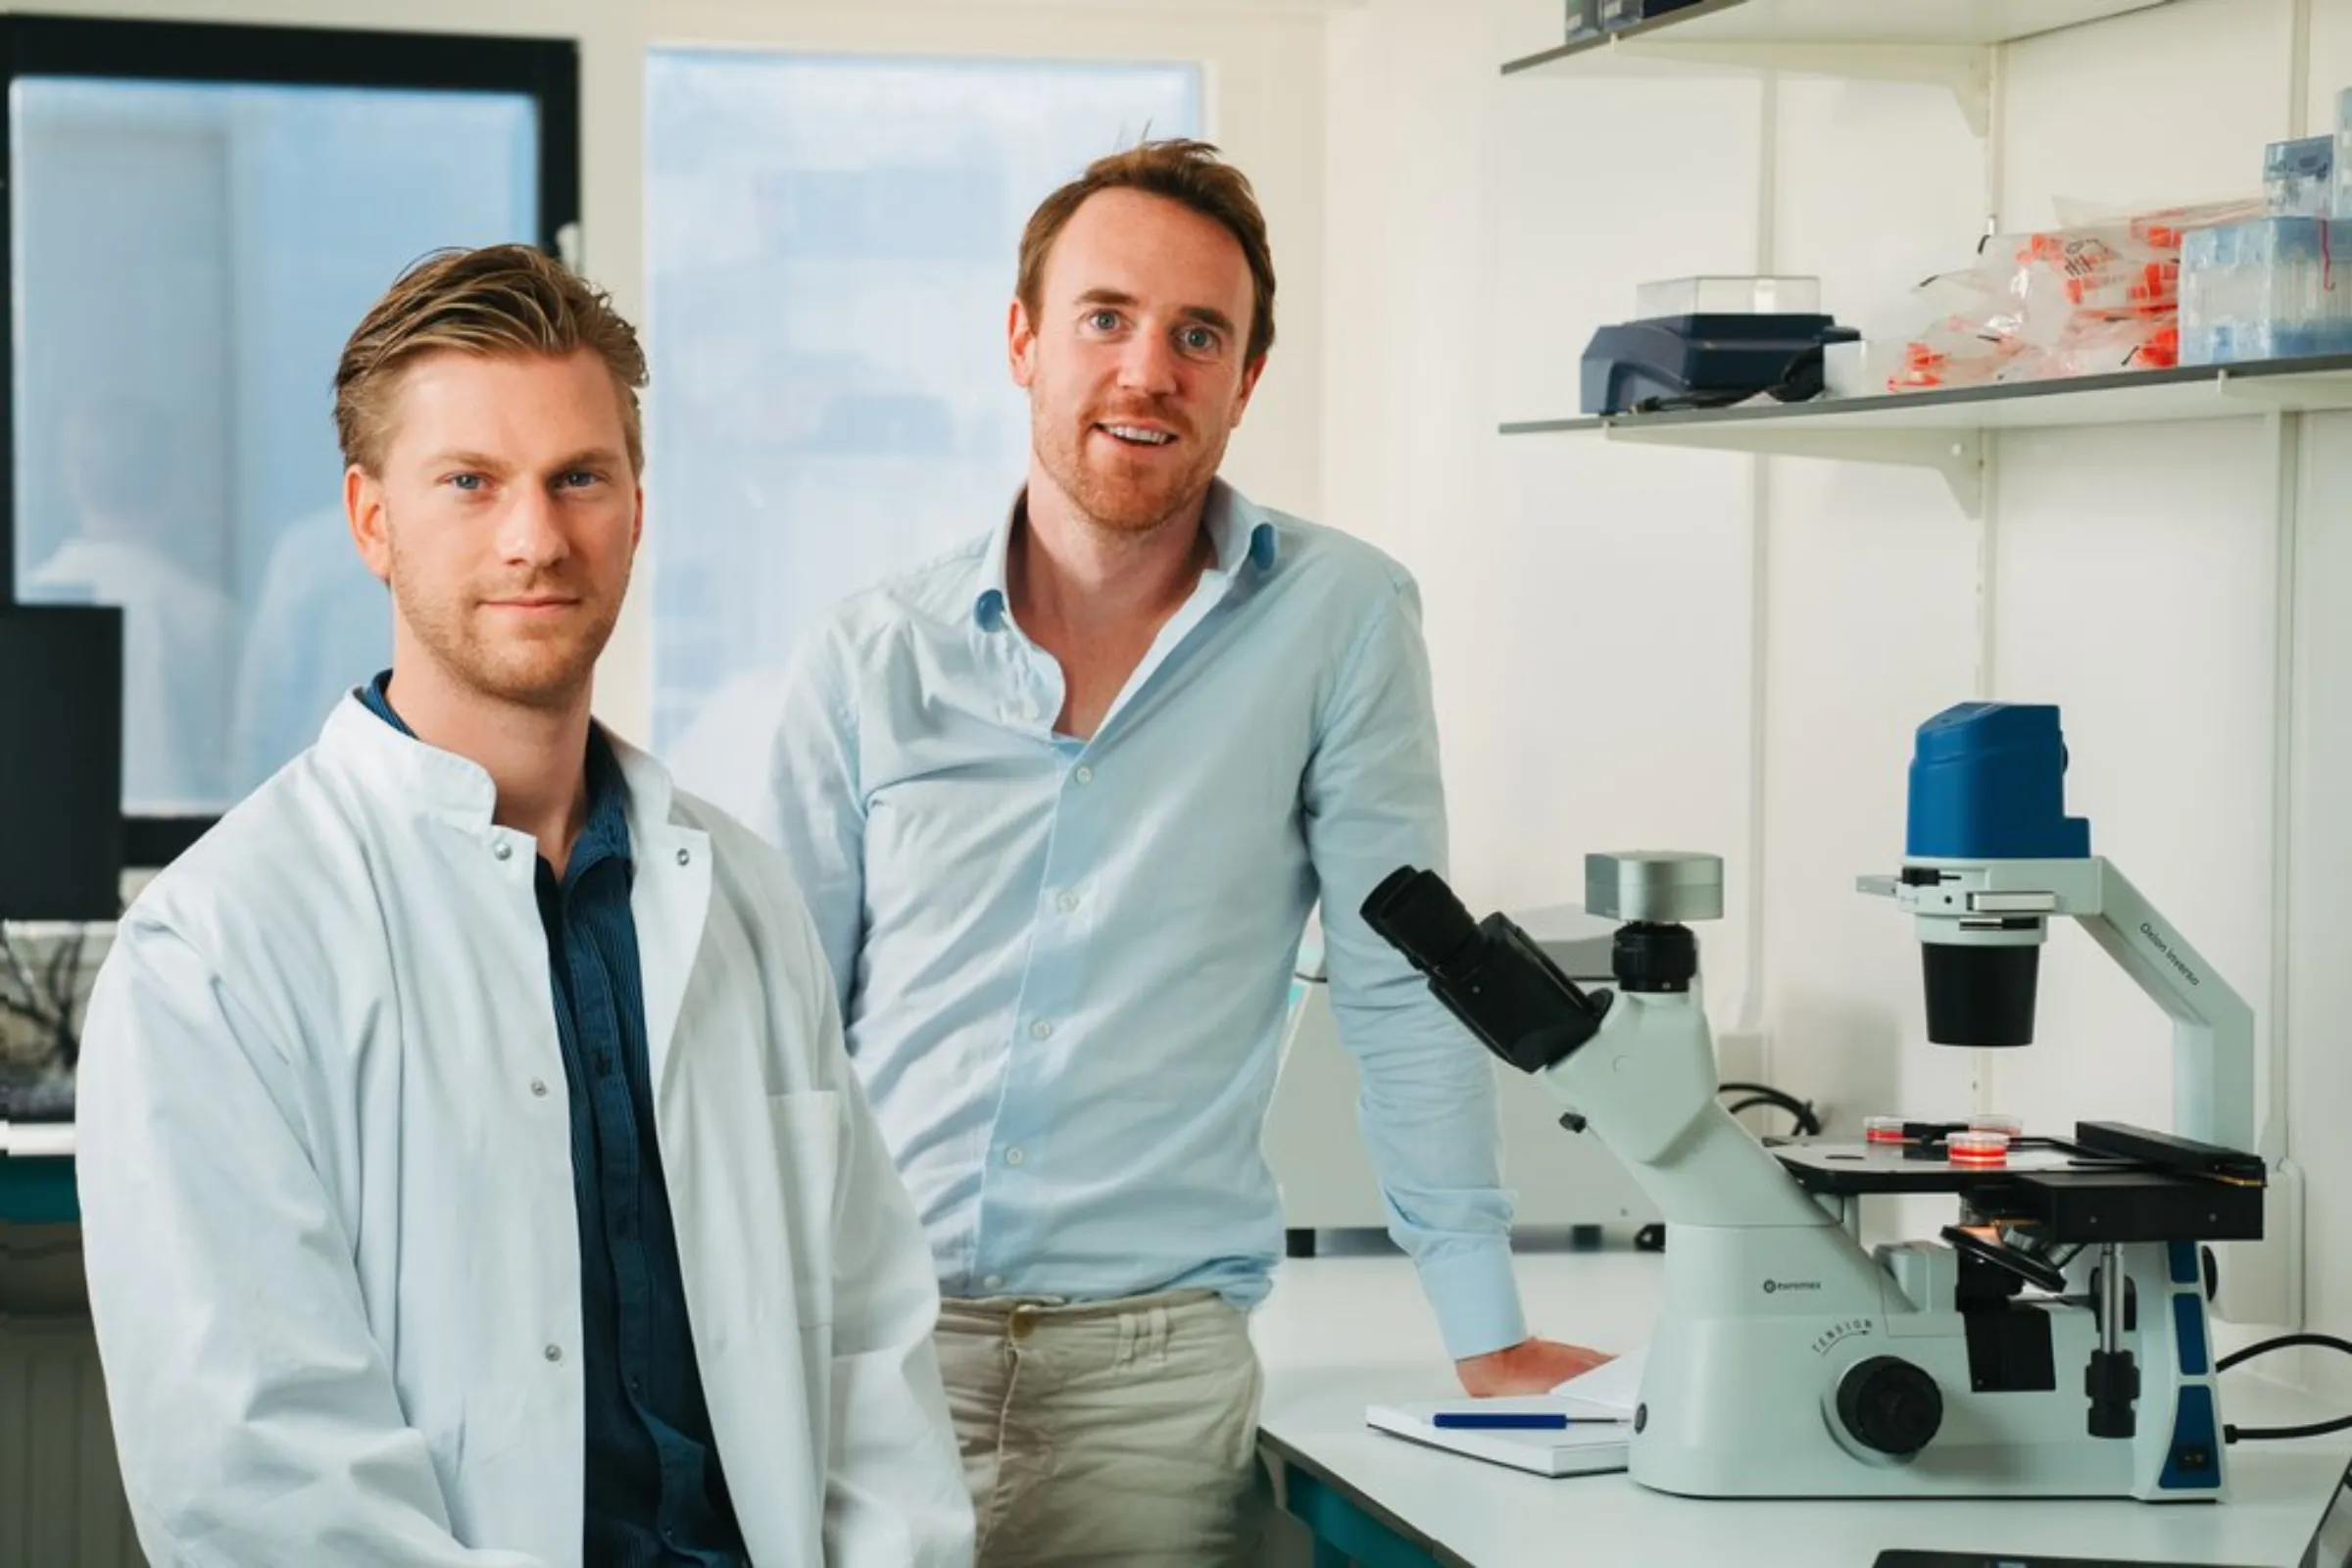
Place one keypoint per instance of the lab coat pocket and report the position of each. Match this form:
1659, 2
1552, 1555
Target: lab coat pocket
807, 1128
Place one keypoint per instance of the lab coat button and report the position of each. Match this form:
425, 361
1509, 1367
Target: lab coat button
1013, 1156
1043, 1029
503, 849
539, 1087
1066, 903
684, 855
1084, 776
554, 1352
992, 1281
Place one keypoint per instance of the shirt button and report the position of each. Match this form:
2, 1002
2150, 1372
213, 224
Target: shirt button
503, 849
684, 855
554, 1352
1084, 776
1066, 903
1013, 1156
539, 1087
1043, 1029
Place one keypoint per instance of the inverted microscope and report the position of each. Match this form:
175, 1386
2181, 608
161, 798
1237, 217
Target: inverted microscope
2054, 1340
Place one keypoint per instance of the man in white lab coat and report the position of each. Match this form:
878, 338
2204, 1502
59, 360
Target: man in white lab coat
471, 1171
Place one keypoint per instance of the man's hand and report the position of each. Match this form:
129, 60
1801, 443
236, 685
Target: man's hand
1532, 1366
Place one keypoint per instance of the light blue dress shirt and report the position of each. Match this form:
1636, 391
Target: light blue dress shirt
1064, 964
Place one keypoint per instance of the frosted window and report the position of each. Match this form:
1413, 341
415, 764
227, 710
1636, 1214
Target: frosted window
188, 260
832, 251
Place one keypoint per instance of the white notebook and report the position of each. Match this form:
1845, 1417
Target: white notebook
1565, 1451
1608, 1391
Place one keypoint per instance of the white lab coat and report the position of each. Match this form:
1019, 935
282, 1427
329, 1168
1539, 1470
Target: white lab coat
326, 1173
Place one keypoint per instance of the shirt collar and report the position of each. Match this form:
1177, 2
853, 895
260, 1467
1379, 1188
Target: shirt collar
606, 836
463, 785
1238, 528
377, 696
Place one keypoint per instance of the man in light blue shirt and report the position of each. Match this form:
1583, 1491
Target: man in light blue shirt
1060, 803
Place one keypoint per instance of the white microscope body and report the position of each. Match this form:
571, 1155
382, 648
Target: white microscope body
1788, 1360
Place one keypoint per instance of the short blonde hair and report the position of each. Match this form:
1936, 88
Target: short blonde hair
1180, 169
500, 299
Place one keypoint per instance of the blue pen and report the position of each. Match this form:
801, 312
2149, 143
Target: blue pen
1517, 1420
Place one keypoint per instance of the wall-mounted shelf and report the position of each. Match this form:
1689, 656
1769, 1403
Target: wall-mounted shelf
1946, 42
1945, 430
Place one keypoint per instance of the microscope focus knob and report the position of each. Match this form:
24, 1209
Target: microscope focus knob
1890, 1405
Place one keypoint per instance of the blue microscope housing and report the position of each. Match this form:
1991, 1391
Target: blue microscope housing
1988, 783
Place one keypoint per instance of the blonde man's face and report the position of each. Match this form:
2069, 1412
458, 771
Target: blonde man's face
506, 519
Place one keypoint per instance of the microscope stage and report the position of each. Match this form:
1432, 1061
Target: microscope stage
2067, 1197
1845, 1167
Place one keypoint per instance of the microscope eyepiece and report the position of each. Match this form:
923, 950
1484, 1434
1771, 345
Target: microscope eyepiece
1487, 972
1415, 912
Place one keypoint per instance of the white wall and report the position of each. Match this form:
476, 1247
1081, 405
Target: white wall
1263, 66
1650, 645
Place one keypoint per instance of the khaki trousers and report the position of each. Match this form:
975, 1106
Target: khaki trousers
1114, 1433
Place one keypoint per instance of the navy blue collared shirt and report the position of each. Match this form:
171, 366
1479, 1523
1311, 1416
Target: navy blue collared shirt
656, 1496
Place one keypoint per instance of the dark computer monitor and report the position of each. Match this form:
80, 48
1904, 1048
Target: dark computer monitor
61, 762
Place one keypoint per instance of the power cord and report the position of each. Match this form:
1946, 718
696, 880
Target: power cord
1808, 1122
2285, 1342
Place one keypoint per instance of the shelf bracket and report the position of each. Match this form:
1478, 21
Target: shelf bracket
1958, 455
1965, 68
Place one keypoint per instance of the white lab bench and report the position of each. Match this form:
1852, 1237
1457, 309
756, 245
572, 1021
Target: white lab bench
1339, 1333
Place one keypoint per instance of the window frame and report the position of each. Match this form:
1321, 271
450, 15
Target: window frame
546, 69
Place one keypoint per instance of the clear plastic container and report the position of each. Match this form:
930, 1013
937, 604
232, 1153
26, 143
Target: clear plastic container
2298, 177
2268, 289
1728, 296
1998, 1122
2341, 206
1977, 1148
1887, 1130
